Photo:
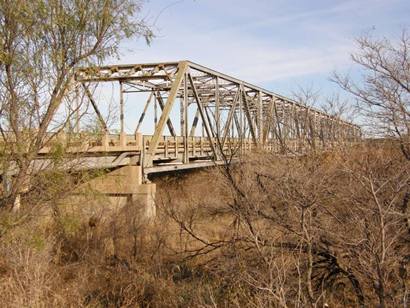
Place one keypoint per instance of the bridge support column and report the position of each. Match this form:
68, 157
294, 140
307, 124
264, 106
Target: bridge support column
126, 182
145, 198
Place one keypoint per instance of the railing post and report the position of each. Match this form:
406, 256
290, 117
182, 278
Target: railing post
176, 146
122, 107
123, 139
138, 140
166, 147
105, 142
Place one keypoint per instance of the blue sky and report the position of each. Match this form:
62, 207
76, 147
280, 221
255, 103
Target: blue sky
277, 44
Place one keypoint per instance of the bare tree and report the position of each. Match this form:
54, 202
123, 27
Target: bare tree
308, 97
383, 93
41, 45
324, 228
336, 107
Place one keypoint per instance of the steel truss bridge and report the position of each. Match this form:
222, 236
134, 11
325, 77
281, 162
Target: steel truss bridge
219, 117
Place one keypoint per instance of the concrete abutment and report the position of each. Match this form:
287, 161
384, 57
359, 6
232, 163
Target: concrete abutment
125, 182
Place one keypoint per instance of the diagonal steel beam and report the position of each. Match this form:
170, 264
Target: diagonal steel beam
238, 125
209, 120
141, 119
203, 116
248, 116
182, 68
161, 105
229, 120
97, 111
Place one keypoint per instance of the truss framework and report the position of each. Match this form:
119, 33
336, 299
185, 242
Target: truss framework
231, 111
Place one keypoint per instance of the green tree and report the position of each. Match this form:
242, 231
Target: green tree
42, 42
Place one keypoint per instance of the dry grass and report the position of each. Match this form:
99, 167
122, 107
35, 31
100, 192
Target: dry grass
223, 238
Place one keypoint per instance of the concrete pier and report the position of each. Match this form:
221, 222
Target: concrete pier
126, 182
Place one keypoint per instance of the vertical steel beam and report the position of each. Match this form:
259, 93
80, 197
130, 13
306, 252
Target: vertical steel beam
241, 126
155, 113
185, 121
181, 117
217, 108
260, 118
122, 107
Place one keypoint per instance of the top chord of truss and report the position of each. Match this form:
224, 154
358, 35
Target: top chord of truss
149, 77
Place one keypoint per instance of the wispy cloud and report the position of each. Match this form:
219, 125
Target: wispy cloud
289, 17
244, 56
264, 41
